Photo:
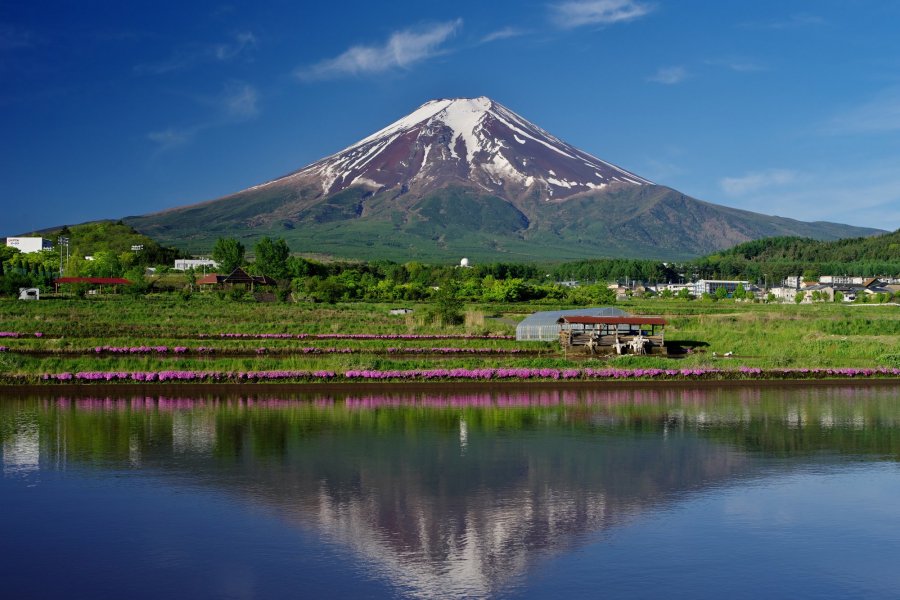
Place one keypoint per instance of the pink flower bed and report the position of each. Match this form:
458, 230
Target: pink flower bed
513, 374
356, 336
210, 350
136, 349
450, 350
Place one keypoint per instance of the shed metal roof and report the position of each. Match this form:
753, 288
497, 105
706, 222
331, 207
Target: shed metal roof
543, 325
635, 320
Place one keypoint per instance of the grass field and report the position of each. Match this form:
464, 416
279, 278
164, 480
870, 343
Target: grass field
117, 333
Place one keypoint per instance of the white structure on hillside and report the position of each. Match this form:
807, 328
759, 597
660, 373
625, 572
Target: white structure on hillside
195, 263
26, 245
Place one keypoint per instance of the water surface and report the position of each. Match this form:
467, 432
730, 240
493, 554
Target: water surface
506, 492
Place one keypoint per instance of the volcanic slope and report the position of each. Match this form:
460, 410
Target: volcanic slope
469, 177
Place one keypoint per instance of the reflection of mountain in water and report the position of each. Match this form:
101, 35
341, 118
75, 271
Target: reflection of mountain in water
455, 494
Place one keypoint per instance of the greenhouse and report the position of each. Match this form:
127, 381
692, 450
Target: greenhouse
543, 327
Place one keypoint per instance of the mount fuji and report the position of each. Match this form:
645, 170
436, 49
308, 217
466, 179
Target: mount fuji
468, 176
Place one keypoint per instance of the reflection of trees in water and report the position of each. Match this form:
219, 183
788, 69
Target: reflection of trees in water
442, 507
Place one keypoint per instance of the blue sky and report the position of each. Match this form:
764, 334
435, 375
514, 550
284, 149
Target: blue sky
111, 109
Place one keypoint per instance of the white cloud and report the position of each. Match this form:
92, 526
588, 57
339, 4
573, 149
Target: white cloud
503, 34
737, 64
879, 115
792, 22
171, 137
13, 37
669, 75
758, 180
576, 13
403, 49
243, 41
192, 55
238, 102
866, 196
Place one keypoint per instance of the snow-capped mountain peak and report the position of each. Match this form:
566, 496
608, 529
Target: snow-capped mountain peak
476, 140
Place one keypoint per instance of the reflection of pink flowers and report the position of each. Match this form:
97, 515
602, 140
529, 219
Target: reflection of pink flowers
8, 334
38, 334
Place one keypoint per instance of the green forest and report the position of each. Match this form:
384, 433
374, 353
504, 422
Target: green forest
117, 250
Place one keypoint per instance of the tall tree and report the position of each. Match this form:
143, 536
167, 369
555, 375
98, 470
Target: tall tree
229, 253
272, 258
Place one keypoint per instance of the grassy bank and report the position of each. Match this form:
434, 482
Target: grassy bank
208, 334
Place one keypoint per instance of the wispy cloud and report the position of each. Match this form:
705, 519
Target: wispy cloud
576, 13
170, 137
503, 34
13, 37
881, 114
758, 180
868, 196
238, 102
669, 75
192, 55
795, 21
737, 64
402, 50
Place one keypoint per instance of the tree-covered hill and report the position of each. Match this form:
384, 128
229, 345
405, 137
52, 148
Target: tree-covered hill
775, 258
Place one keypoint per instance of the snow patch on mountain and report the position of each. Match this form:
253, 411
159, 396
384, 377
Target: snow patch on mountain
474, 139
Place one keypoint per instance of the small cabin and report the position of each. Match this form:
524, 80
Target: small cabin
633, 334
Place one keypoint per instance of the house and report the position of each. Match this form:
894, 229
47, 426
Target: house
236, 277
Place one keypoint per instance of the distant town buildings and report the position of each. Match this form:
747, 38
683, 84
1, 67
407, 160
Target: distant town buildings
709, 286
27, 245
195, 263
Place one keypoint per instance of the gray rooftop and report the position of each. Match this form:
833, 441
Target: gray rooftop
542, 326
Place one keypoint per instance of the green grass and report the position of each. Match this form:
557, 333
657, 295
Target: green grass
757, 335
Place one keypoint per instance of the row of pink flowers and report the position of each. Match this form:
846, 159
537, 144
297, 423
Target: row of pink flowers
358, 336
13, 334
518, 374
202, 376
450, 350
138, 350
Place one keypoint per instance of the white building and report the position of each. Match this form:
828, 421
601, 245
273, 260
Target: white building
195, 263
709, 286
842, 280
26, 245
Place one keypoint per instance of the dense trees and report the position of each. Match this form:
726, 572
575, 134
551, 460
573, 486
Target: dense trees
117, 250
229, 253
272, 258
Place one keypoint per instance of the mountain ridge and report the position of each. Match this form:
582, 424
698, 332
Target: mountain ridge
520, 192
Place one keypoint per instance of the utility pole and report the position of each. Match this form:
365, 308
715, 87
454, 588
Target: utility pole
62, 241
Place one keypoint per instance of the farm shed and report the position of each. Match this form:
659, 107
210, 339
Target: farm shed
636, 334
543, 326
